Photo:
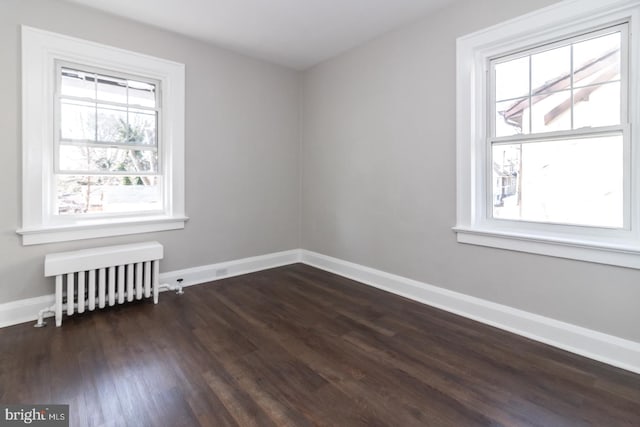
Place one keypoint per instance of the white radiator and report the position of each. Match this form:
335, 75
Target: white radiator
92, 279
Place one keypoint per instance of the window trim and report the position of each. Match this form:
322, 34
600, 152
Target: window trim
42, 51
562, 20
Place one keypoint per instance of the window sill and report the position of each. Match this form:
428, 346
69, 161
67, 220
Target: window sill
583, 250
102, 228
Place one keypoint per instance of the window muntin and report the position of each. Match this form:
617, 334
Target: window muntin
106, 156
558, 133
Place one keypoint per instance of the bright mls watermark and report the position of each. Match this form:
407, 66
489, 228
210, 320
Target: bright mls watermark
34, 415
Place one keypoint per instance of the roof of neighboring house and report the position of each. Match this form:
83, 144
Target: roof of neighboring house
605, 67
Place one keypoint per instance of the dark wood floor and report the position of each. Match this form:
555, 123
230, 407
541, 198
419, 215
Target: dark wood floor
298, 346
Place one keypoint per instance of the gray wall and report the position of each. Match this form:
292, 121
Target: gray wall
242, 139
378, 162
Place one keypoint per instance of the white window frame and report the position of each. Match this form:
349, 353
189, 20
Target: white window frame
42, 52
474, 224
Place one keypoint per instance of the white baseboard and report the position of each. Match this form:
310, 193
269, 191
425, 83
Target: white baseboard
223, 270
24, 310
605, 348
602, 347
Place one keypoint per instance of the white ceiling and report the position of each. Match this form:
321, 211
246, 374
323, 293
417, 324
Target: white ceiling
294, 33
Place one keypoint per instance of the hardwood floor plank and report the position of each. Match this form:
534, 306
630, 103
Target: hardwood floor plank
241, 407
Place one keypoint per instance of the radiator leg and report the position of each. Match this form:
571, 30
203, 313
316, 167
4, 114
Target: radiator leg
155, 280
58, 300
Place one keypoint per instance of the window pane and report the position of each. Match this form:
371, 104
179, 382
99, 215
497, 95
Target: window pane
512, 117
143, 94
75, 158
597, 106
577, 181
592, 99
112, 89
551, 112
597, 60
78, 83
112, 123
512, 79
77, 120
551, 70
107, 194
142, 126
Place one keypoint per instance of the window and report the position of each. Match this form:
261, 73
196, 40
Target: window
557, 132
103, 140
106, 154
547, 151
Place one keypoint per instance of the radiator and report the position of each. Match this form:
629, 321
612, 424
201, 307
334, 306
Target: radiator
95, 278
